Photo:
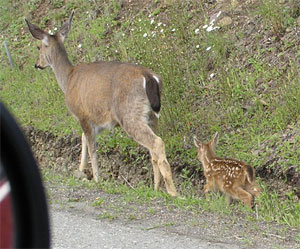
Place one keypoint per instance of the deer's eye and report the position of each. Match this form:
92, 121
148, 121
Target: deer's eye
38, 47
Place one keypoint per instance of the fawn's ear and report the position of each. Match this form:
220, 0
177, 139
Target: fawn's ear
215, 140
196, 142
38, 33
64, 30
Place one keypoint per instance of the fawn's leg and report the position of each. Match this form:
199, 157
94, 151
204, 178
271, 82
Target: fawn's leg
209, 186
253, 189
229, 199
241, 194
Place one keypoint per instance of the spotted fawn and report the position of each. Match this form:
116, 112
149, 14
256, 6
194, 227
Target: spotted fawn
234, 178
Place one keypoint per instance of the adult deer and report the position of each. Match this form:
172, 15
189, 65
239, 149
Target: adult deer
230, 176
102, 95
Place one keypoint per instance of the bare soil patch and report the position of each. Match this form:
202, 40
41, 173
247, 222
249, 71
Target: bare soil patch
62, 154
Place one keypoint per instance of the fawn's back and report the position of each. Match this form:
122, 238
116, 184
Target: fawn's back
229, 173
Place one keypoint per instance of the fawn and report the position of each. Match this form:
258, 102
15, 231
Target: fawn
105, 94
232, 177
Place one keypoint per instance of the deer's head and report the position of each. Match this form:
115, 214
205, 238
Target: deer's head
50, 44
206, 151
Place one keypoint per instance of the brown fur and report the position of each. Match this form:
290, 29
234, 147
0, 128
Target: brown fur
230, 176
104, 94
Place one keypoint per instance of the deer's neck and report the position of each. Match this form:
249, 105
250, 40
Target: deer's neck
62, 67
207, 158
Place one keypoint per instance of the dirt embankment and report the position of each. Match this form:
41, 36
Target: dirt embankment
62, 154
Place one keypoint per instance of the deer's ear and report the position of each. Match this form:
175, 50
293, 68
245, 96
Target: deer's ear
63, 32
215, 140
38, 33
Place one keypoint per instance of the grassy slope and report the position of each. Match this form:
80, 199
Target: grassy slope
251, 100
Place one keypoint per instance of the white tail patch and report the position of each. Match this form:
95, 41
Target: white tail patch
156, 78
157, 115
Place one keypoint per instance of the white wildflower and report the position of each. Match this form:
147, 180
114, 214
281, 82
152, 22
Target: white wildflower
50, 32
159, 24
145, 35
197, 31
173, 30
211, 75
55, 29
209, 48
152, 21
197, 46
149, 15
210, 28
162, 30
79, 45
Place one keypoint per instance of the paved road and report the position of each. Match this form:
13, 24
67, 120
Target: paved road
74, 230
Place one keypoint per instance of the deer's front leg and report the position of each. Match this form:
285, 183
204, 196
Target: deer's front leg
89, 139
84, 158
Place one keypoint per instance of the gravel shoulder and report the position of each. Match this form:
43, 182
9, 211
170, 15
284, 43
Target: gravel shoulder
81, 230
164, 225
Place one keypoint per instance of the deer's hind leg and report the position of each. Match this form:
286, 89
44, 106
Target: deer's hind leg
143, 134
157, 175
153, 120
159, 157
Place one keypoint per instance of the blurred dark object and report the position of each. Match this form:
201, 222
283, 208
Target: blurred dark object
27, 204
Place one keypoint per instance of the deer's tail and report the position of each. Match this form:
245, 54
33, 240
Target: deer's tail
153, 90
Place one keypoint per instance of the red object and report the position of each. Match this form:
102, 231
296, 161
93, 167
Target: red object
6, 225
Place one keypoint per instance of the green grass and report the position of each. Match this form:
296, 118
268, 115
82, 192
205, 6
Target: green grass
249, 100
270, 207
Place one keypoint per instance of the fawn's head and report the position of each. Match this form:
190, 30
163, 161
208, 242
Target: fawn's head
49, 43
206, 152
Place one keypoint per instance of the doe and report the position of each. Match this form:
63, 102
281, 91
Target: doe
232, 177
102, 95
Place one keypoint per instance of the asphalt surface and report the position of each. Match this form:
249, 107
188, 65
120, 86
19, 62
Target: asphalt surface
71, 229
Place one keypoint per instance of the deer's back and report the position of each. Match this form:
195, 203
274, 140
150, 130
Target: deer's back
96, 91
